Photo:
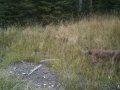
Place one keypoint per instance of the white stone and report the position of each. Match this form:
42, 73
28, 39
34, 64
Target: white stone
52, 85
118, 87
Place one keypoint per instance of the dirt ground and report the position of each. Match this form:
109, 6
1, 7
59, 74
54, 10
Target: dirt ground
44, 78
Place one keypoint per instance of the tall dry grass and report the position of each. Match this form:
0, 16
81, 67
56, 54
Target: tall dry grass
67, 43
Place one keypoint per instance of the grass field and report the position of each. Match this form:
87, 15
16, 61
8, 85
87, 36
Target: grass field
67, 42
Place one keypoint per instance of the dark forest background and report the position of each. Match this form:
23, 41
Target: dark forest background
23, 12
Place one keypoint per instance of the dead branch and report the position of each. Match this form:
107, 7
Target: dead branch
37, 67
45, 60
34, 69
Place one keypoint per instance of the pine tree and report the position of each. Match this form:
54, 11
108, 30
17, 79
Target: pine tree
14, 11
106, 5
3, 13
51, 11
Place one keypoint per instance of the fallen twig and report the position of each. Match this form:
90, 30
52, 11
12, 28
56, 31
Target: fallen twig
45, 60
31, 71
34, 69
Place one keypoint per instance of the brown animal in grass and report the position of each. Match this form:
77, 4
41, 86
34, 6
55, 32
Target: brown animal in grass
100, 54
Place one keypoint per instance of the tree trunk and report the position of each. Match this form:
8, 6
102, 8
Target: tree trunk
90, 5
80, 5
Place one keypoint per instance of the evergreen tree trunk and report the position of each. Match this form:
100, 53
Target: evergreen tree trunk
80, 5
90, 5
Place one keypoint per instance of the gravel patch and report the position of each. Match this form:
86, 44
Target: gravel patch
43, 78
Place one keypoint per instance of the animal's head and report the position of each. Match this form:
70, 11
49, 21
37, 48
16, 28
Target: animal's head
87, 52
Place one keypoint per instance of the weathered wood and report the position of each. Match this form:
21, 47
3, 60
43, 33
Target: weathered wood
34, 69
45, 60
37, 67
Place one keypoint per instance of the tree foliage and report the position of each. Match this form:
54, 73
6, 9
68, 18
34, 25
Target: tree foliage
47, 11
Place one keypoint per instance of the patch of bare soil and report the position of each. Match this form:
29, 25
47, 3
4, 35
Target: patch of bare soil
43, 78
